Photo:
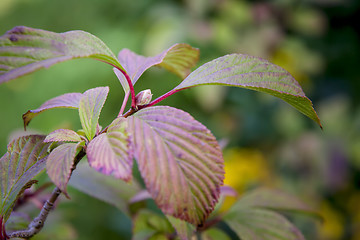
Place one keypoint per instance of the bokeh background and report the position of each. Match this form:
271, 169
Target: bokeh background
269, 143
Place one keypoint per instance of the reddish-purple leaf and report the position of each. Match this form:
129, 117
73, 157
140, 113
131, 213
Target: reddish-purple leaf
180, 161
253, 73
63, 135
110, 153
90, 106
25, 158
179, 59
60, 162
68, 100
24, 50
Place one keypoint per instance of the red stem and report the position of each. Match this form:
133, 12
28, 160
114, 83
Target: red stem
159, 99
131, 86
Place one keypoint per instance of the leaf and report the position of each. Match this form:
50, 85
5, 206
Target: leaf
179, 59
110, 153
25, 158
67, 100
253, 73
274, 200
180, 161
90, 106
63, 135
149, 225
255, 224
214, 234
106, 188
60, 163
24, 50
184, 230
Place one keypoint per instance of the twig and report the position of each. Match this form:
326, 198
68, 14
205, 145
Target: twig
38, 222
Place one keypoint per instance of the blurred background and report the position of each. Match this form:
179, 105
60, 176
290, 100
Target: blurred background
269, 143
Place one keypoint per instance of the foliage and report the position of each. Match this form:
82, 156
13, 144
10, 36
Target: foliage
179, 159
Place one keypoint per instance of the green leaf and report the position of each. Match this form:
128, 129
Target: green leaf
149, 225
253, 73
63, 135
60, 163
110, 153
255, 224
179, 59
180, 161
90, 107
24, 50
214, 234
184, 230
25, 158
105, 188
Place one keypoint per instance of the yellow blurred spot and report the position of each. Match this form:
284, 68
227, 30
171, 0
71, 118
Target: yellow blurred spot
333, 226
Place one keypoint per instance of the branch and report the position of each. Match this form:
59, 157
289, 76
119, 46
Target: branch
37, 223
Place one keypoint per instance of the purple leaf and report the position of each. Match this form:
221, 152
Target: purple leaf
179, 59
25, 158
110, 153
180, 161
106, 188
63, 135
90, 106
24, 50
255, 223
68, 100
59, 164
252, 73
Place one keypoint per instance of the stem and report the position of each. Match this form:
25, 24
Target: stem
37, 223
126, 97
131, 86
159, 99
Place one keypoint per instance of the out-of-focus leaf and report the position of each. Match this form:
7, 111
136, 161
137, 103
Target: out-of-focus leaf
90, 106
180, 161
24, 50
275, 200
184, 230
60, 163
214, 234
63, 135
256, 223
140, 196
106, 188
179, 59
253, 73
25, 158
110, 153
149, 225
68, 100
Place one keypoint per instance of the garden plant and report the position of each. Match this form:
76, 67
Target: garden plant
179, 159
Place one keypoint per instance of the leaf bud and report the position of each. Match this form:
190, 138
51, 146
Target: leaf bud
143, 97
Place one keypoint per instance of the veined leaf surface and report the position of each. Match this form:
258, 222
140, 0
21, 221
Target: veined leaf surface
179, 59
59, 164
110, 153
24, 50
90, 106
67, 100
180, 161
253, 73
25, 158
63, 135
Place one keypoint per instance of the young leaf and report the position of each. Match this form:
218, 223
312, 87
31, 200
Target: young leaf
25, 158
254, 224
60, 163
179, 59
90, 106
180, 161
184, 230
24, 50
110, 153
63, 135
67, 100
214, 234
105, 188
253, 73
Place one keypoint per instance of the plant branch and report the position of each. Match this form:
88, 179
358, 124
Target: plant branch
126, 97
131, 86
37, 223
